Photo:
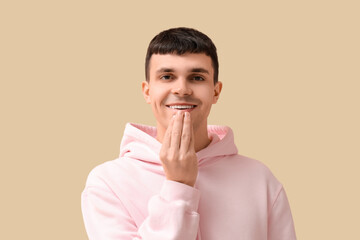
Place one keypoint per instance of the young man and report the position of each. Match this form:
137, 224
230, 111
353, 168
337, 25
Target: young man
183, 179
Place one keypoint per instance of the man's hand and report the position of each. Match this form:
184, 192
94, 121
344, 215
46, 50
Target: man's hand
177, 153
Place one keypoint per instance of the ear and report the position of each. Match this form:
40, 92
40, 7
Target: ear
145, 90
217, 91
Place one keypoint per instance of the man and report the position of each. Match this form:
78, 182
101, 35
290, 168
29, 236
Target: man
183, 179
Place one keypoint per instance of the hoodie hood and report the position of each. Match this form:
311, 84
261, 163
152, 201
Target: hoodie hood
139, 142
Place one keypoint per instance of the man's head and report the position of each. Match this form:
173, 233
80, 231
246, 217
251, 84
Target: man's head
180, 41
180, 77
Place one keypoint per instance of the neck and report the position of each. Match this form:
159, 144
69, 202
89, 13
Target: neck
201, 136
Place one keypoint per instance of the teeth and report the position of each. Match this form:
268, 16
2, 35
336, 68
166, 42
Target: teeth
181, 106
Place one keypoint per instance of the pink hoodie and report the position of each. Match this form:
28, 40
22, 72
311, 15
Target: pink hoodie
235, 197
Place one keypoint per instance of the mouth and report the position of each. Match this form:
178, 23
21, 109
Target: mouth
181, 107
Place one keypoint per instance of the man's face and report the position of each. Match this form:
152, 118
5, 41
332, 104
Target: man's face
181, 83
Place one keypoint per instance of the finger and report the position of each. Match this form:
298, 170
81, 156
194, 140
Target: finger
192, 140
167, 137
186, 134
176, 131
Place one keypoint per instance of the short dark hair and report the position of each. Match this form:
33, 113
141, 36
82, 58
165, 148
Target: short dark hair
180, 41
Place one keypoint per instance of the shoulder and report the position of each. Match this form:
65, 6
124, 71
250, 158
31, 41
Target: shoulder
254, 165
105, 173
260, 177
255, 171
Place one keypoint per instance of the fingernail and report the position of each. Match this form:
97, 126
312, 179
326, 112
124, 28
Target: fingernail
187, 114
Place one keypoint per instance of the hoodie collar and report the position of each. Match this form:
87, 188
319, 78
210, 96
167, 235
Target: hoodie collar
139, 142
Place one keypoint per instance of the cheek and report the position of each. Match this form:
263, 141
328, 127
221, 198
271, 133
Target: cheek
157, 97
155, 94
207, 97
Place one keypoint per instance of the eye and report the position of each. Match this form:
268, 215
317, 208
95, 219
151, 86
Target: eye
165, 77
198, 78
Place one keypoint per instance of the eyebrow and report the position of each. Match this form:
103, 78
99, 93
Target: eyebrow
161, 70
195, 70
200, 70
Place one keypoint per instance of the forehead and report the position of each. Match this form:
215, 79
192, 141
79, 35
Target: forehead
184, 62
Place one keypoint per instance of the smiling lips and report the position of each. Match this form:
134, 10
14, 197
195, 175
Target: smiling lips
184, 107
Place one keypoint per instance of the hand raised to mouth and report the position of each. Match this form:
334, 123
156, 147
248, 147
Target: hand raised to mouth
177, 153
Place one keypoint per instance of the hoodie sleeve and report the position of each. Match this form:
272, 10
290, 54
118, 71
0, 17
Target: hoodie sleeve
281, 225
172, 214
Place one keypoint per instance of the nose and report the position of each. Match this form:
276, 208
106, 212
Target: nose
181, 88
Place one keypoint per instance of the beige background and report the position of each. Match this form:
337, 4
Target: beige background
70, 79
